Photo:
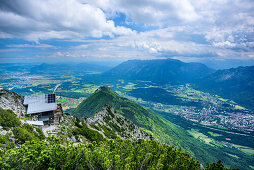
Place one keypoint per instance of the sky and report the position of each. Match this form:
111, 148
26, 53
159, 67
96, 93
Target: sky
216, 32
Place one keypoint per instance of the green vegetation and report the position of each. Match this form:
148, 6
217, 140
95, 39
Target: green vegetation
217, 165
224, 100
109, 154
222, 148
160, 95
27, 132
88, 133
235, 84
8, 119
239, 107
200, 136
108, 132
5, 141
25, 118
161, 71
232, 155
21, 133
161, 129
245, 149
214, 134
37, 153
61, 100
76, 85
95, 127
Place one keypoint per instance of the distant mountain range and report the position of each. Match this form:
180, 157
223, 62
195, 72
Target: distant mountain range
162, 71
235, 83
71, 68
57, 68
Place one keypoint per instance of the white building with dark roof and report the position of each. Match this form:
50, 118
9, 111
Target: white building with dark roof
43, 108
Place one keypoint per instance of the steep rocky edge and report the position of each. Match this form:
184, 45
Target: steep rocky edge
107, 123
11, 100
109, 119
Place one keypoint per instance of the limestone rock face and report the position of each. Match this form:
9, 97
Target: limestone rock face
117, 123
13, 101
105, 122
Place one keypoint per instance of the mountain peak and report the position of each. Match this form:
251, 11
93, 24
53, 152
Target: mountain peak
107, 90
161, 71
95, 102
104, 88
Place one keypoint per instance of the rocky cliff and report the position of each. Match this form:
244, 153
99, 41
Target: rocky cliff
109, 119
12, 101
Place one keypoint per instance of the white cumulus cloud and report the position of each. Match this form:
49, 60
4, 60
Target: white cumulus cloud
45, 19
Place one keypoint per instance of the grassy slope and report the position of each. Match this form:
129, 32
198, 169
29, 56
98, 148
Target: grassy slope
161, 129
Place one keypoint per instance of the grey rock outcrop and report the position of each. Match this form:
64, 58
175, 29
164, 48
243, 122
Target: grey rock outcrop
13, 101
117, 123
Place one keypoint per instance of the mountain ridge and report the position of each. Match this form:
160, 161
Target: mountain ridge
45, 68
161, 129
234, 83
106, 122
161, 71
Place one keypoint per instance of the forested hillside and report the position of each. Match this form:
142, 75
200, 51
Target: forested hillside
110, 154
235, 83
14, 132
164, 71
161, 129
31, 150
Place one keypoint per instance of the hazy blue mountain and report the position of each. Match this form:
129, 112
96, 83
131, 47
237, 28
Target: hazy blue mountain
68, 67
227, 64
160, 71
235, 83
15, 67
